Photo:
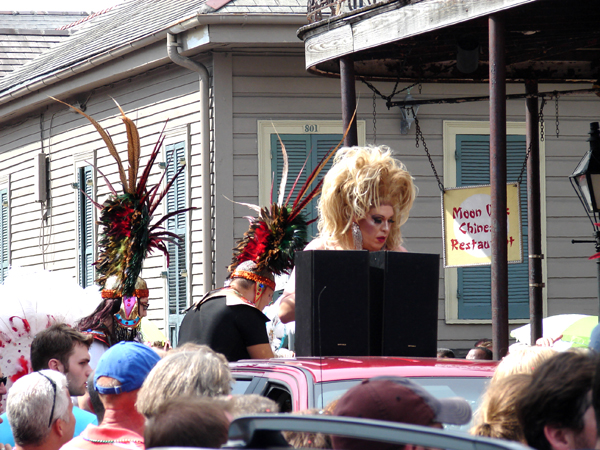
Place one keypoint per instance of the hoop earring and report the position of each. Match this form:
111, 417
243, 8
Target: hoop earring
357, 236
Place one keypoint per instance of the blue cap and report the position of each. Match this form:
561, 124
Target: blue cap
127, 362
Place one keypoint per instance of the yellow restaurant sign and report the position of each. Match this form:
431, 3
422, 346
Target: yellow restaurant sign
468, 226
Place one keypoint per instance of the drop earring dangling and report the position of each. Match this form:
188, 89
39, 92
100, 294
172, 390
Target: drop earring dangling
357, 236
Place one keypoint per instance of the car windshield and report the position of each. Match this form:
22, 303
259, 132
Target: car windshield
469, 388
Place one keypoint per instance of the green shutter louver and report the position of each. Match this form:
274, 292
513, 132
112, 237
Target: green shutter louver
474, 283
298, 148
176, 272
85, 226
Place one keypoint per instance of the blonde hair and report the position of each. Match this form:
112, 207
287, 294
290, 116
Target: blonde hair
497, 415
522, 360
362, 178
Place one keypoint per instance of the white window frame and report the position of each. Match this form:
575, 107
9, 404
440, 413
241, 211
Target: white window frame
175, 135
268, 127
81, 160
452, 128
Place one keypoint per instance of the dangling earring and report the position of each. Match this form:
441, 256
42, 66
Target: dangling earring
259, 289
357, 236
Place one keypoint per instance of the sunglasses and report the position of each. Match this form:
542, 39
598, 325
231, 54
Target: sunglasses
3, 380
53, 401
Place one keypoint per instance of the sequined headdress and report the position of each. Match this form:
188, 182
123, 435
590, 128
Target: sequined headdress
127, 235
280, 230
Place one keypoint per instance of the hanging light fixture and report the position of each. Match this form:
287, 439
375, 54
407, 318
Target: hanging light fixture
586, 177
467, 54
408, 114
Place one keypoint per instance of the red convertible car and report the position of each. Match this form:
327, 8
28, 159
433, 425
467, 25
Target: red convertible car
301, 383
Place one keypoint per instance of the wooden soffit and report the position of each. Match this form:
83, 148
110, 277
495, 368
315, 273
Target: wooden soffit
408, 40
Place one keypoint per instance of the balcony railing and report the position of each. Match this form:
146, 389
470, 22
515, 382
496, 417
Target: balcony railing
318, 8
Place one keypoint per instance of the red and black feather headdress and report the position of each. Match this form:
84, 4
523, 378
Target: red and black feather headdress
127, 234
281, 228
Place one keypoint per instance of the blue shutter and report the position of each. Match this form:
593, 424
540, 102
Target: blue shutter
298, 148
4, 235
85, 227
176, 272
474, 283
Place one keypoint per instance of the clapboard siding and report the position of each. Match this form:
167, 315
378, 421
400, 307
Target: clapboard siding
285, 93
168, 94
277, 87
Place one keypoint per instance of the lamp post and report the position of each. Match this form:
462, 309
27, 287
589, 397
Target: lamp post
585, 179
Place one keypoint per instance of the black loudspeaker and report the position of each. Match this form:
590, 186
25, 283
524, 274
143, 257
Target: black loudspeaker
404, 303
332, 303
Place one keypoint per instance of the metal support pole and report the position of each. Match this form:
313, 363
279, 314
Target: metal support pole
534, 226
348, 82
498, 185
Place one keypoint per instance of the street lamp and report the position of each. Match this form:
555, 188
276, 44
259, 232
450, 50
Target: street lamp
585, 179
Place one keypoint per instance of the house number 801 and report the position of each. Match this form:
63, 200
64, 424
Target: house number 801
310, 128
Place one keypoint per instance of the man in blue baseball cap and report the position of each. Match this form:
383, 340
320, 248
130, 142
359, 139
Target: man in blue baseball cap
120, 373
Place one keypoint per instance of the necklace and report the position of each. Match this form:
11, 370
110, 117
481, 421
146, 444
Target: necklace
115, 441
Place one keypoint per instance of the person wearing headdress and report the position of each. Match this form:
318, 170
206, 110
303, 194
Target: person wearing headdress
366, 197
117, 318
230, 320
127, 237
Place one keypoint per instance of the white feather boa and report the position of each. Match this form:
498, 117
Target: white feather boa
30, 301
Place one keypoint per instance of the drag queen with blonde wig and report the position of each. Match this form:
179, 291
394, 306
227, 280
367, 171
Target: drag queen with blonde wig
366, 197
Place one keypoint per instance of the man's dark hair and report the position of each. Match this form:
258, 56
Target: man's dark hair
445, 353
187, 422
487, 353
56, 342
557, 396
95, 401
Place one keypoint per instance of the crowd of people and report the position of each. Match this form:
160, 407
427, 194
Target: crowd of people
137, 398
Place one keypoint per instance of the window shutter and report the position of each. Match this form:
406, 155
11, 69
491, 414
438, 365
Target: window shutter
89, 227
85, 227
474, 283
4, 235
298, 148
176, 272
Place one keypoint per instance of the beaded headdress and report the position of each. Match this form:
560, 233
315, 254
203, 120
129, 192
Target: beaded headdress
127, 235
277, 233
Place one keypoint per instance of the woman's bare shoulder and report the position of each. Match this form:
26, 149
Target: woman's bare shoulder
316, 244
399, 249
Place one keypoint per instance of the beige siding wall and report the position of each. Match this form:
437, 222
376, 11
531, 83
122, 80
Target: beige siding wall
275, 86
167, 93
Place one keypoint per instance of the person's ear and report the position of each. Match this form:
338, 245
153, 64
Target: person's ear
559, 438
59, 427
55, 364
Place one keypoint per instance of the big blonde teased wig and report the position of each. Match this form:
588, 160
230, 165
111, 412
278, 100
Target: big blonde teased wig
362, 178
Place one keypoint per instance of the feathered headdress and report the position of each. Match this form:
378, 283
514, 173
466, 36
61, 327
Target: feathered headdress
128, 236
280, 229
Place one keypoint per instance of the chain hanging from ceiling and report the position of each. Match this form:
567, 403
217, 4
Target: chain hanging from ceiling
374, 118
419, 136
542, 137
556, 95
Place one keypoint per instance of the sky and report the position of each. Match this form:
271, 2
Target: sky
65, 5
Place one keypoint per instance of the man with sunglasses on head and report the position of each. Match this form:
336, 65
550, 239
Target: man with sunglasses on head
40, 411
65, 350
